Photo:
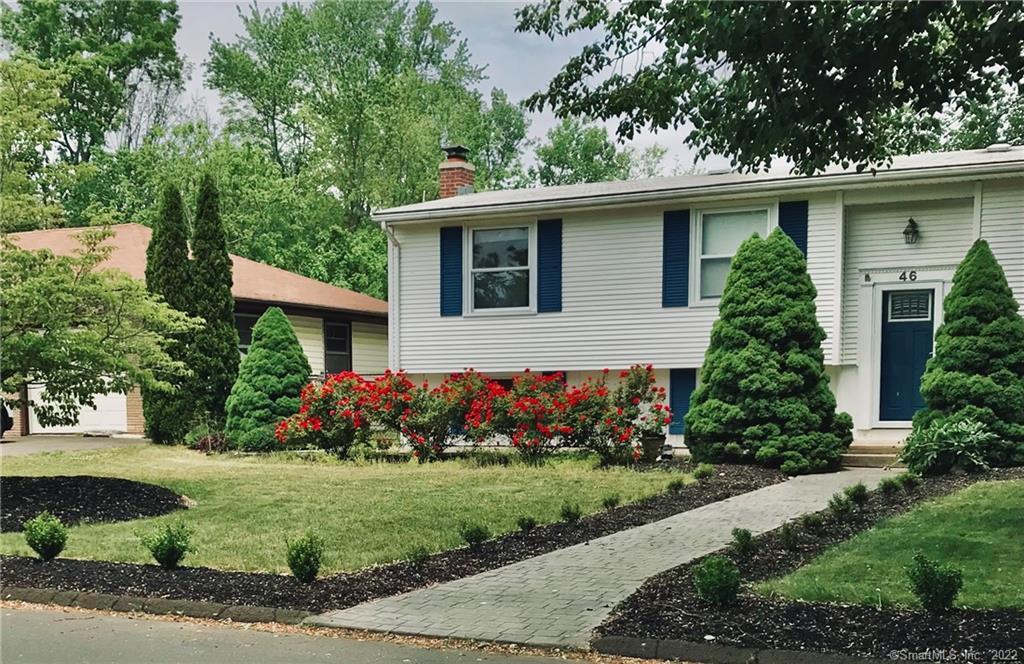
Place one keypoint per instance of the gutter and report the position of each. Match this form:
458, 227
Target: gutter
775, 186
394, 291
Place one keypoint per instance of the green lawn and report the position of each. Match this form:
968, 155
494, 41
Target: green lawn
369, 513
979, 529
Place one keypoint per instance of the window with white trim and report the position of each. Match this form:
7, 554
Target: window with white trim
721, 233
499, 269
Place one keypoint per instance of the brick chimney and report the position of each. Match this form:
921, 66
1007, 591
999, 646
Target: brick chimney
457, 174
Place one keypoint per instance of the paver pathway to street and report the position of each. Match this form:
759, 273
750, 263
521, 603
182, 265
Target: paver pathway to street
558, 598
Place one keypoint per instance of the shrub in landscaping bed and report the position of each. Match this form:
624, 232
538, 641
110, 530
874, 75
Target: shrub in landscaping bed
330, 417
857, 493
526, 523
703, 471
474, 534
717, 580
611, 502
956, 443
841, 505
169, 544
270, 382
46, 535
305, 555
977, 370
571, 512
742, 541
764, 395
934, 585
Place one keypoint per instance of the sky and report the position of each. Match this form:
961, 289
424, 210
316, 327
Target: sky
520, 64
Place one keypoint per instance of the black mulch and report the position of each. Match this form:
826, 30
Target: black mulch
344, 590
666, 606
81, 499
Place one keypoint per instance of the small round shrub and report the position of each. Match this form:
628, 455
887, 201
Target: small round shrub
305, 555
841, 505
703, 471
571, 512
813, 522
474, 534
788, 536
611, 501
934, 585
676, 485
46, 535
418, 555
717, 580
526, 523
169, 544
742, 541
909, 480
858, 494
890, 485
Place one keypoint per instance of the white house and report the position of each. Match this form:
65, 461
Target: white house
578, 278
338, 329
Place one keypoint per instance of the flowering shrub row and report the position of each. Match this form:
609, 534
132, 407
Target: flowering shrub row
537, 414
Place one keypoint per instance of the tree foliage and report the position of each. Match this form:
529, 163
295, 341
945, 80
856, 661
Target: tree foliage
215, 347
270, 380
169, 412
814, 83
763, 392
977, 371
80, 329
104, 51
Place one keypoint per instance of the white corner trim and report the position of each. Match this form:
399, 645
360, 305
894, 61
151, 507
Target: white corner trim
976, 226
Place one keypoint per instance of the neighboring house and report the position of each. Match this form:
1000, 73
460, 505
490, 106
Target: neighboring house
339, 329
578, 278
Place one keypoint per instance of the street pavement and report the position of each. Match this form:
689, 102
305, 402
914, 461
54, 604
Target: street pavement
55, 636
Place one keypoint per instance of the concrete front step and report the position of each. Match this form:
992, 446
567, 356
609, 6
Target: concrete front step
857, 459
861, 448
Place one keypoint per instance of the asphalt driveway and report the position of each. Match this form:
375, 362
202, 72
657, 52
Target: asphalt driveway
63, 443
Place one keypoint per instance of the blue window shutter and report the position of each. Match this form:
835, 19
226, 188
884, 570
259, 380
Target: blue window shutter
451, 271
675, 259
549, 265
681, 384
793, 222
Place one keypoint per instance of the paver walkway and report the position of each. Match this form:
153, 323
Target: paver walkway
558, 598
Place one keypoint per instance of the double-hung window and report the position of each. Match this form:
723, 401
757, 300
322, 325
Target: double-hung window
721, 233
244, 324
337, 348
500, 268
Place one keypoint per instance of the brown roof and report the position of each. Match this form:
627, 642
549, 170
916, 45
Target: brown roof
252, 280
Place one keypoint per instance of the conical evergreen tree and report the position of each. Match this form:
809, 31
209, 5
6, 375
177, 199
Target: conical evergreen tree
764, 394
215, 357
169, 274
977, 370
270, 379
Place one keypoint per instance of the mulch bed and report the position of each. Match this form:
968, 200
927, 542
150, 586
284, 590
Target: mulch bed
345, 590
81, 499
667, 607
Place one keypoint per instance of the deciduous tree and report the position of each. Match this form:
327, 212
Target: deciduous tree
811, 82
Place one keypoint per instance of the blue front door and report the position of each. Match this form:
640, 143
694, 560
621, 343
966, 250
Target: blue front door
907, 332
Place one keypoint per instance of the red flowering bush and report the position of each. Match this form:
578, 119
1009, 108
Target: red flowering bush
331, 415
488, 413
637, 409
586, 406
387, 399
532, 414
428, 423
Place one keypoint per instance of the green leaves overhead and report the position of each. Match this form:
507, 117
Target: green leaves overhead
811, 82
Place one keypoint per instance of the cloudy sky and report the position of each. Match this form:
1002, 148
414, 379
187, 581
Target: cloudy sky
520, 64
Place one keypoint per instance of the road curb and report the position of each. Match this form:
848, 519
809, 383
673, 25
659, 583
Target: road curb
155, 605
628, 646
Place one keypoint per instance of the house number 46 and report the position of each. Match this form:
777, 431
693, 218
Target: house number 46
908, 275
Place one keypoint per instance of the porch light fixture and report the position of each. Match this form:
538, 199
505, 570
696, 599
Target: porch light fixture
910, 233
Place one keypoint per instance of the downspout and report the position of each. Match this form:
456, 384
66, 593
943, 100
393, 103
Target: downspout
394, 271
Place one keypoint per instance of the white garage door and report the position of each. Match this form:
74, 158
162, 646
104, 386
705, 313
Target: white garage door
109, 416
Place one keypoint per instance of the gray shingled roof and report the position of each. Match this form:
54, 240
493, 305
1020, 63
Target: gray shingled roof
653, 189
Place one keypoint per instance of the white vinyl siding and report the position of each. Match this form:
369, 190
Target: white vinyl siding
1002, 225
874, 241
824, 250
369, 348
611, 301
310, 332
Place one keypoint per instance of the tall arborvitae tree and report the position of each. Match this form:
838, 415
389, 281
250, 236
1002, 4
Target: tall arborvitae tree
169, 275
977, 370
764, 394
272, 375
215, 357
